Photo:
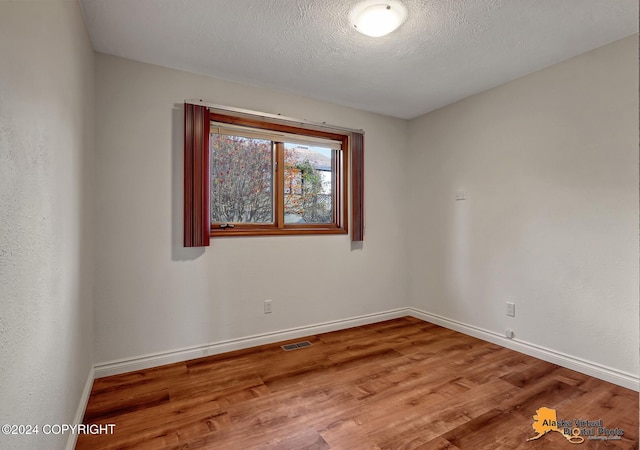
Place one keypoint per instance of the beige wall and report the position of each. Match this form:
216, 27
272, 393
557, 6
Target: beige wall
46, 145
549, 164
152, 295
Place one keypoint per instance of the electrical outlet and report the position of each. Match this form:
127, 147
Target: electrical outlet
511, 309
267, 306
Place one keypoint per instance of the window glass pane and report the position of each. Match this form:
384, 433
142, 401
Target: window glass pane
308, 184
241, 179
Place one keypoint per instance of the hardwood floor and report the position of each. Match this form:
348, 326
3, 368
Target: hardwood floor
399, 384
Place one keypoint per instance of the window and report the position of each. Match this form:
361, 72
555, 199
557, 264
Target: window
241, 180
249, 176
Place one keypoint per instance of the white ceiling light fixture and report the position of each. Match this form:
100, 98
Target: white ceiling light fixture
378, 18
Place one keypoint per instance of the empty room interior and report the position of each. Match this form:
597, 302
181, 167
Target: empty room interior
291, 224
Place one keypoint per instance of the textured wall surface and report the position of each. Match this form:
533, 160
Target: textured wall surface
549, 163
153, 295
46, 139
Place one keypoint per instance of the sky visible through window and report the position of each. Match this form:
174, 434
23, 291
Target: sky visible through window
322, 150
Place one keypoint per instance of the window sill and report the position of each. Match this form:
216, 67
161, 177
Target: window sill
289, 231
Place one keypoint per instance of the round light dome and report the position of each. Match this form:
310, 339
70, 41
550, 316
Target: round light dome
378, 19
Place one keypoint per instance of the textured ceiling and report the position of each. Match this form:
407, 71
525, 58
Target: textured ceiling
446, 49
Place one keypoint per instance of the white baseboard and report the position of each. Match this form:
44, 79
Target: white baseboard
82, 407
158, 359
100, 370
601, 372
611, 375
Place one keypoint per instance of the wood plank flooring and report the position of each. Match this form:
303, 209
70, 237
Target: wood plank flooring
399, 384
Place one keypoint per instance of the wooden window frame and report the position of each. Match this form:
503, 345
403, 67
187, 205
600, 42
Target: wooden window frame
339, 223
198, 178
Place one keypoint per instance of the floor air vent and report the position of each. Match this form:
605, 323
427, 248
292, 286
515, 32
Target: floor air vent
296, 346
